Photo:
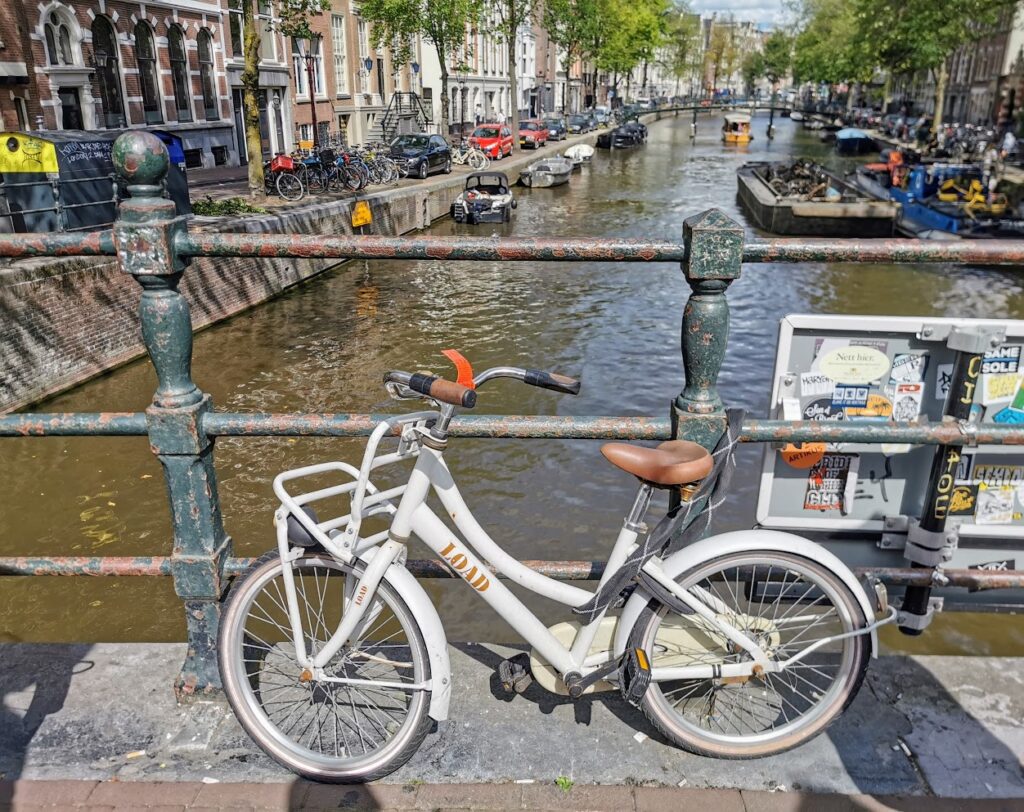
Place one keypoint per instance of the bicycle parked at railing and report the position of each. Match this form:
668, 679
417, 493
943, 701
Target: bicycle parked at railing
335, 661
279, 177
464, 154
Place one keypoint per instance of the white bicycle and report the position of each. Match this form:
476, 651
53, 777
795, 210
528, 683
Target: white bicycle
335, 661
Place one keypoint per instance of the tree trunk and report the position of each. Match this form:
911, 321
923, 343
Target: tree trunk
940, 96
887, 92
442, 58
251, 101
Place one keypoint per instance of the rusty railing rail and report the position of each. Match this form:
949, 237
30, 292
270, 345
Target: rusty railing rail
155, 246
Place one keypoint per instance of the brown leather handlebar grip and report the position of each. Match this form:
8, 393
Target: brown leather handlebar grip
443, 390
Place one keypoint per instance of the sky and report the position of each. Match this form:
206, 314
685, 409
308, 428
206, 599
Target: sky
769, 12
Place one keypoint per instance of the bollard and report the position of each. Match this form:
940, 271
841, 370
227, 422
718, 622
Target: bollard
714, 254
144, 237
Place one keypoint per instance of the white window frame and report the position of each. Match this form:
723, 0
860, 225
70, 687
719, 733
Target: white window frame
339, 50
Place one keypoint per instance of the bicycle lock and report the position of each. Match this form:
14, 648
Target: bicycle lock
929, 544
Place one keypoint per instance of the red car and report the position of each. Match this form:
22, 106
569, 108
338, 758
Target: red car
533, 134
494, 140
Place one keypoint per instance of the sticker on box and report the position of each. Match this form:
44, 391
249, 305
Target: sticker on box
831, 483
996, 566
845, 394
907, 403
1008, 416
963, 469
943, 380
821, 409
814, 383
998, 388
908, 368
1001, 360
963, 499
878, 409
854, 364
803, 455
995, 506
993, 475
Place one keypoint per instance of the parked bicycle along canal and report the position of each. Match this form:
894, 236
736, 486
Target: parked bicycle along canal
324, 346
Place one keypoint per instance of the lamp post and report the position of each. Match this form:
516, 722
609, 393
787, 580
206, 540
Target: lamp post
311, 56
460, 79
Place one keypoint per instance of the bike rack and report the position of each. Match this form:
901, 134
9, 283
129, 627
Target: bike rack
155, 247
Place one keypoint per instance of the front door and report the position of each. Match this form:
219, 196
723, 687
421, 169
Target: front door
380, 79
70, 108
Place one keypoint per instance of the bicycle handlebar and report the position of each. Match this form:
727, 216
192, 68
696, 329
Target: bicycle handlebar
434, 387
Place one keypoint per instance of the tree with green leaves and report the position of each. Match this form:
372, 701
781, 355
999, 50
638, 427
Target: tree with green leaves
828, 46
511, 16
442, 22
292, 21
752, 69
575, 27
679, 54
721, 54
777, 56
632, 34
907, 36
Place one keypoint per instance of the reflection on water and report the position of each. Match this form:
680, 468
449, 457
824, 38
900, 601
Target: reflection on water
323, 347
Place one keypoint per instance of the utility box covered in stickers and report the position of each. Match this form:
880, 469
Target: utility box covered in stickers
856, 498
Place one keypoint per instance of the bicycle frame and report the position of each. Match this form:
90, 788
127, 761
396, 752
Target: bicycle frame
466, 556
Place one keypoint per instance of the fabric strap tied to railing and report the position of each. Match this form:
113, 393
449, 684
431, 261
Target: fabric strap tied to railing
686, 523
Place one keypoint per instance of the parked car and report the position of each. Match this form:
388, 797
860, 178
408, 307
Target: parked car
578, 124
422, 153
602, 115
557, 130
533, 134
494, 140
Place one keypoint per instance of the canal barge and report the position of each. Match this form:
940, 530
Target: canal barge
804, 200
940, 201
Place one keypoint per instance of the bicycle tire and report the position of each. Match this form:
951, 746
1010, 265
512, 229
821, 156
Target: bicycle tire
248, 637
829, 705
289, 186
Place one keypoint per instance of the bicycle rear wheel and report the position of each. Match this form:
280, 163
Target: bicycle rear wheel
326, 731
289, 186
785, 602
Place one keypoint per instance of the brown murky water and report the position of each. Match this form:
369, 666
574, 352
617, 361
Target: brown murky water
324, 346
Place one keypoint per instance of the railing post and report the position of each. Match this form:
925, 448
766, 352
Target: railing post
714, 254
144, 236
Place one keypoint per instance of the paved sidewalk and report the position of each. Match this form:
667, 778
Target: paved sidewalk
50, 795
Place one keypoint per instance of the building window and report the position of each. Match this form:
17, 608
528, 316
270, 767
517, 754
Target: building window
299, 69
364, 52
265, 24
179, 73
340, 53
22, 111
149, 79
306, 132
108, 72
58, 41
235, 24
207, 81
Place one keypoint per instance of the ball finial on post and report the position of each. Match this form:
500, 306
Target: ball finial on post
141, 160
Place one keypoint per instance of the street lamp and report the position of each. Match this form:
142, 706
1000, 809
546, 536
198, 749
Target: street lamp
311, 56
460, 78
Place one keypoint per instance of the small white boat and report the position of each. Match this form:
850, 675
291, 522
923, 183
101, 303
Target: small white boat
796, 115
553, 171
579, 155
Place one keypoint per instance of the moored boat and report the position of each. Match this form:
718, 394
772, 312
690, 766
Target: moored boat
486, 198
736, 129
851, 141
630, 134
553, 171
580, 154
805, 200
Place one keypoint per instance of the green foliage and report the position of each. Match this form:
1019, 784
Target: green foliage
680, 49
632, 33
293, 16
828, 47
564, 783
752, 68
777, 57
228, 206
722, 51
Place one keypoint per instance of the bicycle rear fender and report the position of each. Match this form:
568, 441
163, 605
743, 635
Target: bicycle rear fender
423, 610
740, 541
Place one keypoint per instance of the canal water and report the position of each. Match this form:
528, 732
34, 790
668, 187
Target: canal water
323, 347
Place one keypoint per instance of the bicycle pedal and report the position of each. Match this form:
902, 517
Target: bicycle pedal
514, 674
634, 676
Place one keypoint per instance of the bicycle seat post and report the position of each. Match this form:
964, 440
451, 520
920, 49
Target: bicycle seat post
637, 513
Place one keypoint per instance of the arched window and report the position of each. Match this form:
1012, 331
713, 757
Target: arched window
108, 72
149, 77
206, 76
58, 40
179, 73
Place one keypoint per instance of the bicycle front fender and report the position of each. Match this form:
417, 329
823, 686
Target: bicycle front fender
740, 541
429, 621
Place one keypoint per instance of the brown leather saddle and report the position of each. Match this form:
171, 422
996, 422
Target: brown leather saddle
671, 464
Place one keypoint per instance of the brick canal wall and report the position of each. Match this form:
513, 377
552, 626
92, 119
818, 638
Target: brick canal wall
63, 322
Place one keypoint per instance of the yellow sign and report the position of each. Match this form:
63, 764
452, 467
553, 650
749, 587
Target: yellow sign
25, 153
361, 214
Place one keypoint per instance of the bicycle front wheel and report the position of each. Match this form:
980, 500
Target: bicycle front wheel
360, 728
478, 161
784, 603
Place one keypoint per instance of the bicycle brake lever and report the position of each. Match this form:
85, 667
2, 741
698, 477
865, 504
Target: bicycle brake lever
401, 392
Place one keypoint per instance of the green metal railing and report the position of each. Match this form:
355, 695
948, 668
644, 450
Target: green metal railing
155, 247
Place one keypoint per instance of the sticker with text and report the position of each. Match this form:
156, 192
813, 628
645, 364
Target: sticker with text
845, 394
908, 368
906, 405
1001, 360
831, 483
